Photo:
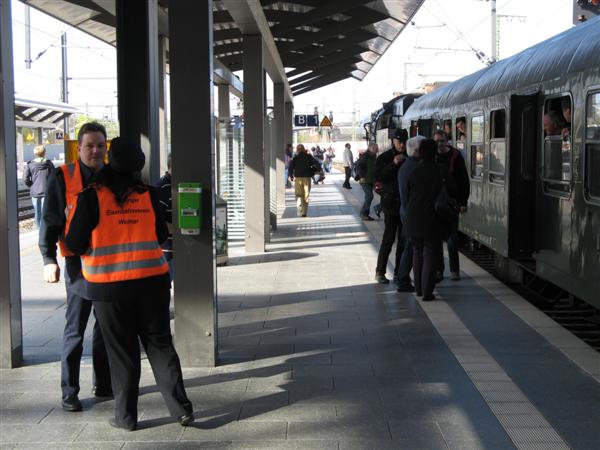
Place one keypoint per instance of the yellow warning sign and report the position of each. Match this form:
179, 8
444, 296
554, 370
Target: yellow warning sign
326, 122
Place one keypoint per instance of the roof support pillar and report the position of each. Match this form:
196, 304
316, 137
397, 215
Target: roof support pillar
256, 187
224, 110
289, 122
138, 78
280, 141
11, 333
162, 102
192, 137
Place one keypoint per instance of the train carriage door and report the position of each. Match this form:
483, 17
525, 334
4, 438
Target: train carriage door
522, 176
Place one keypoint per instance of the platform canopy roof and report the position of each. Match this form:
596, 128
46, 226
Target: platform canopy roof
39, 114
319, 41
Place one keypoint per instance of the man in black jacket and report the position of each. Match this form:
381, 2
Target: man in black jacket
386, 172
301, 169
92, 150
451, 160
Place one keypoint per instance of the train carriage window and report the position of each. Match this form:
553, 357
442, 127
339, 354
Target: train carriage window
461, 136
425, 127
477, 142
557, 164
447, 128
414, 130
592, 146
497, 146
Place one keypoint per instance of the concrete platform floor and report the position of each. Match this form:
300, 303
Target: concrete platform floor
315, 355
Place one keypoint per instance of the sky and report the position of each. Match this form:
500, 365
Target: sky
454, 27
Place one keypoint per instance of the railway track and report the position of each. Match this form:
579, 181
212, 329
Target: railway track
577, 316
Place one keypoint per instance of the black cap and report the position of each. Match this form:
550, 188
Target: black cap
125, 155
401, 134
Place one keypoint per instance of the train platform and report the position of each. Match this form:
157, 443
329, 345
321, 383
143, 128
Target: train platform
315, 355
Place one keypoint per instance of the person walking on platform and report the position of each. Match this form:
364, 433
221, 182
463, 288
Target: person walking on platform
302, 168
117, 230
386, 173
365, 167
348, 163
411, 163
422, 225
64, 184
450, 159
35, 178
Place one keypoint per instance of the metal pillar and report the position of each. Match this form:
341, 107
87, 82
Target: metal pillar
280, 142
224, 116
254, 143
192, 137
289, 123
64, 82
162, 102
11, 334
224, 109
137, 78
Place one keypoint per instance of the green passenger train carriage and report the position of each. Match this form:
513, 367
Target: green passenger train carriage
535, 191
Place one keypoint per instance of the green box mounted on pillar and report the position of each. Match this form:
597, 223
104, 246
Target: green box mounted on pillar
190, 208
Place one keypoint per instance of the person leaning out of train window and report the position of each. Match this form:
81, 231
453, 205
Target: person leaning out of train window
554, 123
461, 127
566, 111
117, 229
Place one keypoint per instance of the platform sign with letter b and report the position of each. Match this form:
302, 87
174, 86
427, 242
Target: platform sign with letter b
306, 120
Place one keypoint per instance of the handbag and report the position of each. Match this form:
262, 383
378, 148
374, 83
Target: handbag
446, 207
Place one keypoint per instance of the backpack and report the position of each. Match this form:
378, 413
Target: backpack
359, 169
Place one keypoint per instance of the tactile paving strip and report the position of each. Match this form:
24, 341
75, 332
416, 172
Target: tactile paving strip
524, 424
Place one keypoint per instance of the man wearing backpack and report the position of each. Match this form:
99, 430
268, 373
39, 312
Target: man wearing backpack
450, 159
365, 169
35, 178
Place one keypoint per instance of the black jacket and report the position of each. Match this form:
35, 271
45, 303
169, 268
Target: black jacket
459, 174
386, 172
304, 165
36, 176
424, 185
85, 219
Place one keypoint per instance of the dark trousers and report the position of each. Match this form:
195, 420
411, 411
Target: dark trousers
366, 206
391, 233
348, 172
122, 321
77, 315
452, 245
424, 260
406, 263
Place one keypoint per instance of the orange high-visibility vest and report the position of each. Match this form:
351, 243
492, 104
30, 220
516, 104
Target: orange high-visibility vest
124, 245
73, 186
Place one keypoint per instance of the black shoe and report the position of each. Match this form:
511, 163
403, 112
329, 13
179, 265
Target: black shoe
377, 212
186, 419
381, 279
406, 288
71, 403
439, 276
99, 392
367, 218
429, 298
113, 423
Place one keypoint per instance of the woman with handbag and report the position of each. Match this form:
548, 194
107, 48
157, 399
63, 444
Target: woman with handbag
423, 225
